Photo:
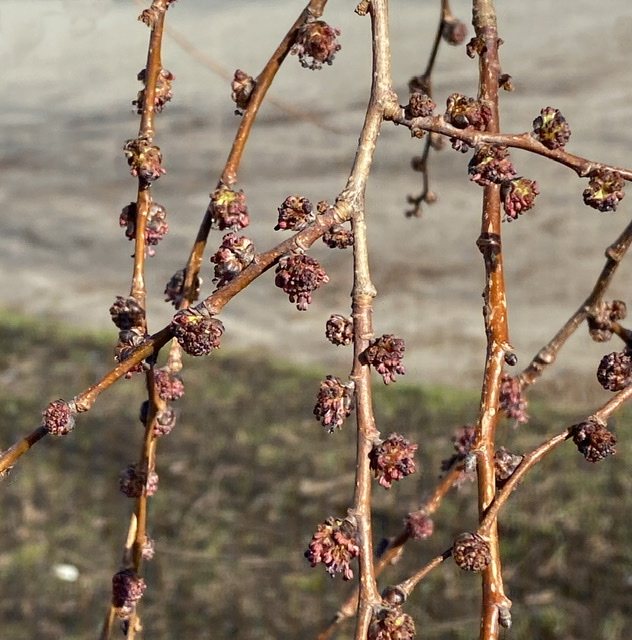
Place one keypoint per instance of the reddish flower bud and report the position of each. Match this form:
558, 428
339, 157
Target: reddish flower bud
390, 623
605, 190
593, 440
335, 403
463, 112
241, 86
228, 209
338, 237
174, 290
233, 256
169, 385
316, 44
471, 552
298, 275
600, 322
392, 459
491, 165
197, 331
385, 354
512, 400
295, 213
129, 340
505, 464
518, 196
156, 226
59, 417
127, 590
334, 544
418, 525
163, 90
339, 330
126, 313
420, 105
551, 129
615, 370
144, 159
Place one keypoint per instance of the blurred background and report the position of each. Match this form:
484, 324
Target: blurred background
69, 78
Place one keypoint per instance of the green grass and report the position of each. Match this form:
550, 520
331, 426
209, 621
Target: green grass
245, 477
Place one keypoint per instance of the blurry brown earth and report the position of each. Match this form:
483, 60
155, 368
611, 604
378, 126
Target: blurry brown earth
69, 77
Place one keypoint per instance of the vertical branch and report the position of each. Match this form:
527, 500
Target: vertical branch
146, 132
362, 305
495, 317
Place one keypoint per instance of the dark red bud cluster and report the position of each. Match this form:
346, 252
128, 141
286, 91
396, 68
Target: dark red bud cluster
512, 400
163, 90
593, 440
604, 191
298, 275
339, 330
518, 196
462, 441
334, 544
505, 464
228, 209
233, 256
197, 331
144, 159
128, 341
169, 385
420, 105
339, 237
127, 313
615, 370
385, 354
127, 590
334, 404
392, 459
134, 479
241, 87
391, 623
59, 417
295, 213
551, 129
316, 44
491, 165
418, 525
156, 227
463, 112
174, 289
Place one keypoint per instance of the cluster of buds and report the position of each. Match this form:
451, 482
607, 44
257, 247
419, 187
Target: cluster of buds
604, 191
600, 323
335, 403
551, 129
298, 275
385, 354
144, 159
339, 330
593, 440
169, 385
392, 459
156, 226
505, 464
228, 209
471, 552
174, 289
391, 623
197, 331
615, 370
135, 478
127, 590
453, 31
512, 400
128, 341
127, 313
165, 419
163, 90
335, 545
462, 441
59, 417
316, 44
241, 87
233, 256
419, 526
339, 237
295, 214
463, 113
518, 196
491, 165
420, 105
